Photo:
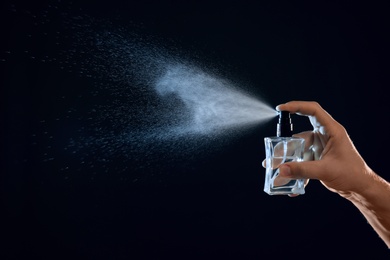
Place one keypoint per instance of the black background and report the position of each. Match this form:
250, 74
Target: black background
197, 207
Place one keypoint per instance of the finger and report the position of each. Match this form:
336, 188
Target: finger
296, 195
318, 116
318, 147
263, 163
308, 136
302, 170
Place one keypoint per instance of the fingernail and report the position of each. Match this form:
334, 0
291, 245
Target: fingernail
285, 170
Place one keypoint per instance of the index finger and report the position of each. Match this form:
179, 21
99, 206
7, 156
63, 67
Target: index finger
318, 116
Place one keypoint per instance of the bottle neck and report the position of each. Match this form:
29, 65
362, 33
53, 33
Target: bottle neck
284, 130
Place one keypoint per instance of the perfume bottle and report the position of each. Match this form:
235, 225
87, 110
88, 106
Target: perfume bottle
280, 149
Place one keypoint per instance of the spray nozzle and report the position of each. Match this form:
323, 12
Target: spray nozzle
284, 127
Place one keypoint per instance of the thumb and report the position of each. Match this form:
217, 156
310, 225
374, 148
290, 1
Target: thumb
301, 170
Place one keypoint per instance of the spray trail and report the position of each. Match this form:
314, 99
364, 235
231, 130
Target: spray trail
158, 93
140, 98
213, 104
159, 101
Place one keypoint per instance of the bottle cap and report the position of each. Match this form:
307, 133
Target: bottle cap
284, 126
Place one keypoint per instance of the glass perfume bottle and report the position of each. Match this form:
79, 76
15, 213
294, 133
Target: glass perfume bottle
280, 149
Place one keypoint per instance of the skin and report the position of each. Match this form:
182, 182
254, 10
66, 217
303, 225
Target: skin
331, 158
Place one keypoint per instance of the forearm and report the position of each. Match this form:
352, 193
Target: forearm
374, 204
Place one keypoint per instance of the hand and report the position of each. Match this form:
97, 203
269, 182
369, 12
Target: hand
330, 155
332, 158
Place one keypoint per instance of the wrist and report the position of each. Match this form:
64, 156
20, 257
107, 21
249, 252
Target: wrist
371, 193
